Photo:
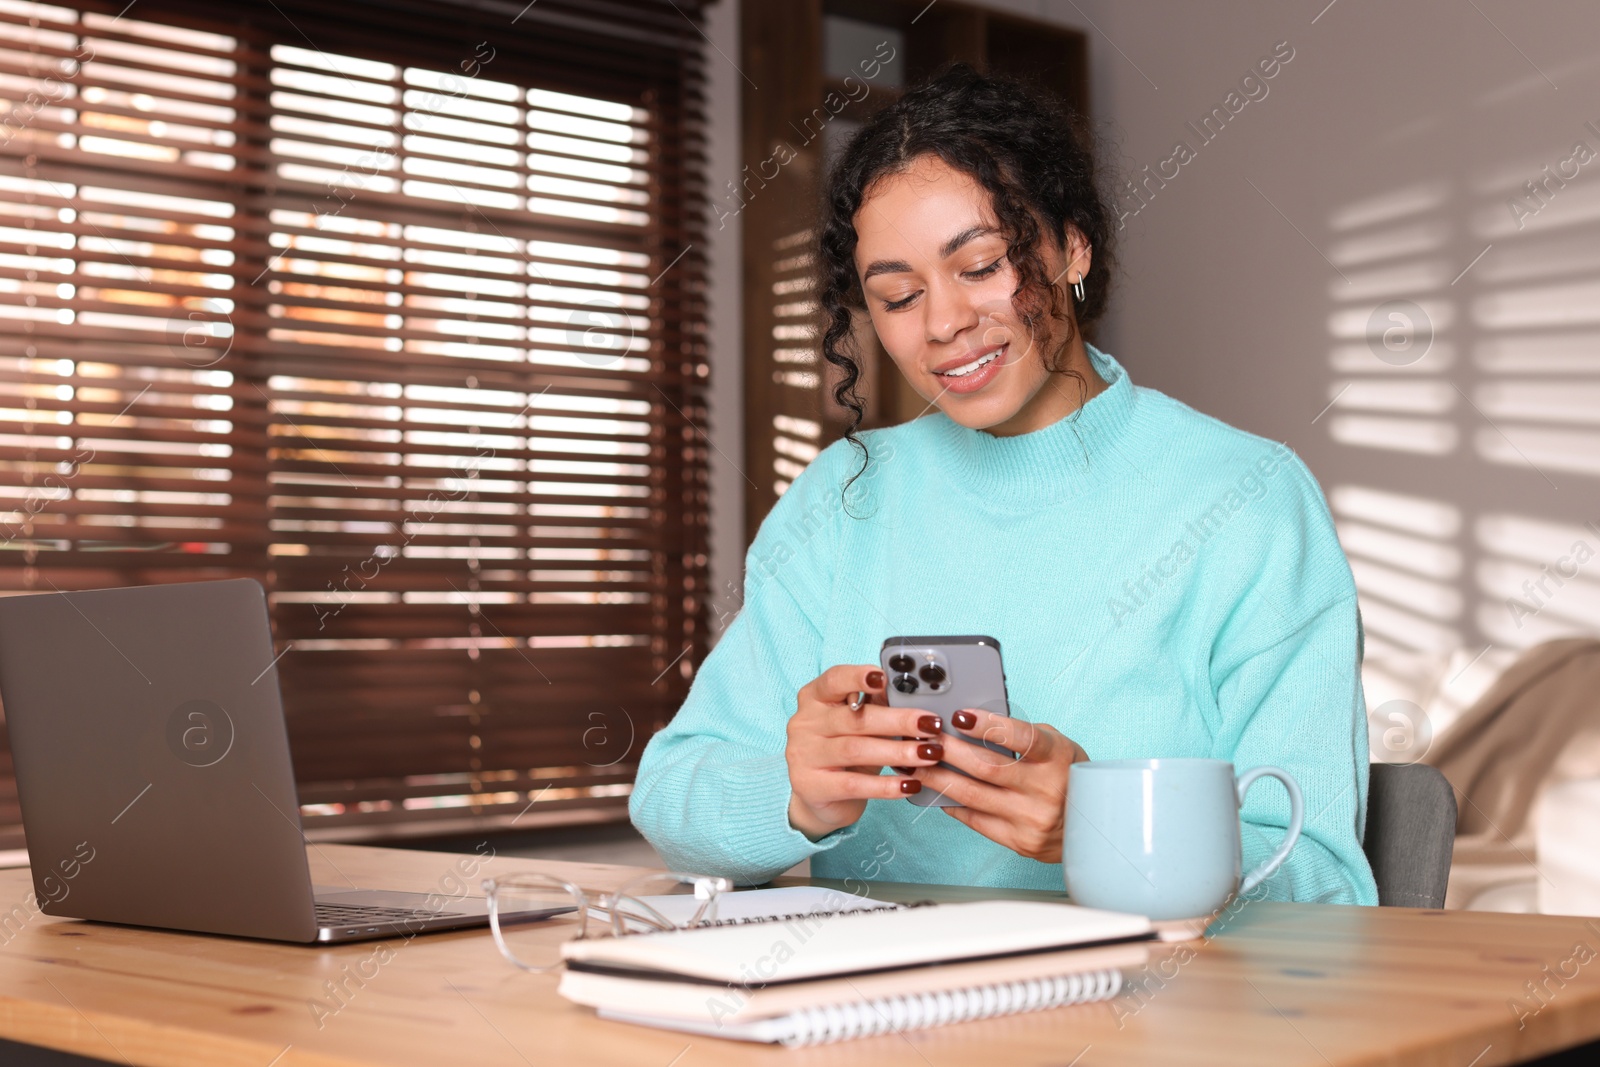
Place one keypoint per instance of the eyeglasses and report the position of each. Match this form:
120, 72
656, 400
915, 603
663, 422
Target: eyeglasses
519, 903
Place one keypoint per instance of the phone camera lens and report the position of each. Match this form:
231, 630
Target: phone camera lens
905, 683
933, 674
902, 663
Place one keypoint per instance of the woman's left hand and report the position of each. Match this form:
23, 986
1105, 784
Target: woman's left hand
1019, 803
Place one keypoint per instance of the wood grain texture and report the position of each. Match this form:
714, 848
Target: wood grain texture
1278, 984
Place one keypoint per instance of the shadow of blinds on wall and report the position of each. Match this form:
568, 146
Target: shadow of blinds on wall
399, 311
1465, 366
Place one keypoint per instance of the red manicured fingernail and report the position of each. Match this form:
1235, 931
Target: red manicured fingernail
910, 785
928, 724
874, 679
964, 720
933, 751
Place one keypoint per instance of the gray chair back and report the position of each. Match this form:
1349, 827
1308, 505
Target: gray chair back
1411, 829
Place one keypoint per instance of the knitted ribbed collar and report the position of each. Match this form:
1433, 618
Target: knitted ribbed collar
1049, 465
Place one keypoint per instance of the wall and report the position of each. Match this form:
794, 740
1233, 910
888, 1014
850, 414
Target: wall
1362, 236
725, 311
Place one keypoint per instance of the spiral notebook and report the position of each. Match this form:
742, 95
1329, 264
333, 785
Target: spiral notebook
827, 977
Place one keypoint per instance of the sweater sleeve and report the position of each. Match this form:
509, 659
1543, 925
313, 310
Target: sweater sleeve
1298, 705
712, 791
1287, 681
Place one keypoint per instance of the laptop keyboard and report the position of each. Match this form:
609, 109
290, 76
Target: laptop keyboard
356, 914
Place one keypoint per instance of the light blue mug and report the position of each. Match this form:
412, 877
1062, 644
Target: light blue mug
1160, 837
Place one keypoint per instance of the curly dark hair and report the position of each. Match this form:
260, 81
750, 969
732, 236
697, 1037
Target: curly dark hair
1020, 145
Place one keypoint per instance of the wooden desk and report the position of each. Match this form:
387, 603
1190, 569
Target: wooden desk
1281, 984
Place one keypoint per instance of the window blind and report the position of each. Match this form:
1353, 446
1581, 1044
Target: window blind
397, 308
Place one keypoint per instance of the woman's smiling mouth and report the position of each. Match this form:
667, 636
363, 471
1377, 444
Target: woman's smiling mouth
965, 365
971, 372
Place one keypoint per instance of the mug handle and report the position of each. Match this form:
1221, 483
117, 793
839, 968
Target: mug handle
1296, 814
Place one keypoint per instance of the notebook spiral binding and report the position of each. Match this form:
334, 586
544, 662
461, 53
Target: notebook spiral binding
791, 917
839, 1022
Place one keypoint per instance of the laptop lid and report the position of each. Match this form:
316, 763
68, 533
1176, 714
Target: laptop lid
151, 758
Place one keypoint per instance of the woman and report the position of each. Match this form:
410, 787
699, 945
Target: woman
1162, 584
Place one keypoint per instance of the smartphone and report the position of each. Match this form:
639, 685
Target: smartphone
942, 675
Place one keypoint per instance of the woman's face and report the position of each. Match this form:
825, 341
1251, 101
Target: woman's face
933, 266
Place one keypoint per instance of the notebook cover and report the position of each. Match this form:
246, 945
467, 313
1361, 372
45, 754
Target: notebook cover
855, 943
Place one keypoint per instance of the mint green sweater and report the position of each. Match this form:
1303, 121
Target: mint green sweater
1161, 584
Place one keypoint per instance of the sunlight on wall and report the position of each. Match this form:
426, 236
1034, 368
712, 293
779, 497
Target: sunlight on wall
1407, 568
1484, 375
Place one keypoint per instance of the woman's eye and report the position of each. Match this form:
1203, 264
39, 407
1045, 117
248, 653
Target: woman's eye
981, 272
984, 272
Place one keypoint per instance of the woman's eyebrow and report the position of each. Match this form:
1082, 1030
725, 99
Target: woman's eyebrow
946, 250
886, 266
950, 247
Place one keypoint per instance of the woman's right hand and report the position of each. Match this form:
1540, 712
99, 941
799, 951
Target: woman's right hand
836, 755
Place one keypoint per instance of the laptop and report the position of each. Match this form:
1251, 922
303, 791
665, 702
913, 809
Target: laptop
153, 771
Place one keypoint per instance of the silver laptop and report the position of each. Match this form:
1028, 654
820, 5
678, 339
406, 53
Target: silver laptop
153, 771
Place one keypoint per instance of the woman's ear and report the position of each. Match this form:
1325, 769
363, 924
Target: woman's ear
1078, 254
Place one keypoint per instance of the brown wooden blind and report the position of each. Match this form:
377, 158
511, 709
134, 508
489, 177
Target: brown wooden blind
397, 308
